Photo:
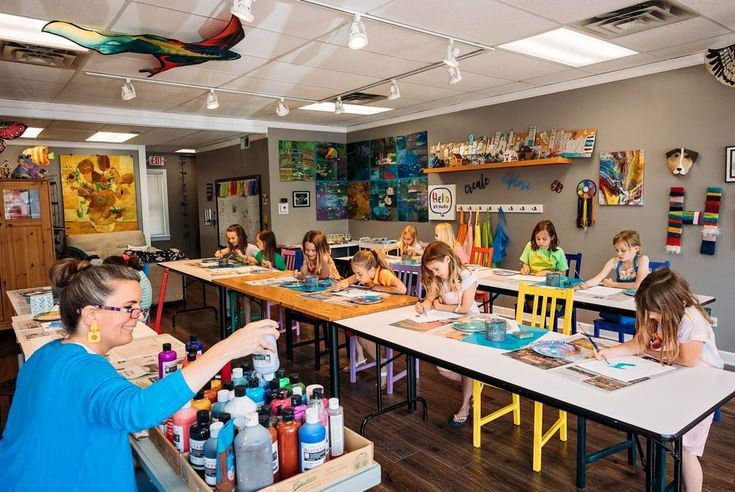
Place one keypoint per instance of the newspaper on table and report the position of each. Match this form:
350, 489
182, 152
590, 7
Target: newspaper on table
142, 349
272, 281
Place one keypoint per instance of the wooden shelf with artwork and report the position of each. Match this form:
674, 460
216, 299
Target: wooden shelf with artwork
499, 165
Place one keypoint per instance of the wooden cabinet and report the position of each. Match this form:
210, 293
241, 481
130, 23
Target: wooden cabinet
26, 238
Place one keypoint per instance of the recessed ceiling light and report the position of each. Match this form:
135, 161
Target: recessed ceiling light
111, 137
27, 30
348, 108
31, 132
185, 151
568, 47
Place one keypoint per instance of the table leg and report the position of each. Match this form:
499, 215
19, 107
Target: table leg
333, 340
161, 297
581, 451
289, 333
234, 314
221, 315
378, 370
411, 383
660, 467
677, 465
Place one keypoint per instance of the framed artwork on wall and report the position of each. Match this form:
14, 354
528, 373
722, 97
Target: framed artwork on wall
730, 164
301, 199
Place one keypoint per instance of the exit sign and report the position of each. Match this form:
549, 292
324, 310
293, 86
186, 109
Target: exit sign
156, 160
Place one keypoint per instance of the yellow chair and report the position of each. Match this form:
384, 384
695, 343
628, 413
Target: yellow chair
544, 303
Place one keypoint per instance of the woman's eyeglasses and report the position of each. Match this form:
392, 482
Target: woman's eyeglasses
135, 313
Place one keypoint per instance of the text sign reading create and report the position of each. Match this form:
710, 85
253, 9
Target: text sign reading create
442, 202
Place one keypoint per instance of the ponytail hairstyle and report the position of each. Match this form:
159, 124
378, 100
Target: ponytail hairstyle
269, 245
411, 231
242, 238
437, 251
373, 258
85, 285
131, 261
319, 240
666, 293
629, 238
445, 232
548, 226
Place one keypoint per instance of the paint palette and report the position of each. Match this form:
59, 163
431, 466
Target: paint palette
474, 326
365, 300
292, 285
554, 348
50, 316
629, 292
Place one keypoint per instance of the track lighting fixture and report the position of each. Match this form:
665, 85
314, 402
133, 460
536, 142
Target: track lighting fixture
212, 101
358, 34
450, 57
282, 108
393, 91
454, 75
242, 9
127, 91
339, 107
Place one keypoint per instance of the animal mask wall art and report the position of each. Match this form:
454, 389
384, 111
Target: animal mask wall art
681, 160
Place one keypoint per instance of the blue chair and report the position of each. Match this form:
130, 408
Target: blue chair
623, 325
574, 262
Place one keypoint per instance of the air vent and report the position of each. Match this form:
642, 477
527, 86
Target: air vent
361, 98
41, 55
641, 17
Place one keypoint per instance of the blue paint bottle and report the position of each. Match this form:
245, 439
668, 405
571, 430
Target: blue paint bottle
255, 393
312, 442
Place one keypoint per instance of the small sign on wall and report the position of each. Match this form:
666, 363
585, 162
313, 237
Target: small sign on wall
156, 161
442, 202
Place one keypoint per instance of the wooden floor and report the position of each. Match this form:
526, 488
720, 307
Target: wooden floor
434, 456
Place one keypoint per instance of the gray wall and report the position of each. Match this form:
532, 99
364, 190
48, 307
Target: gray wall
686, 107
178, 184
229, 162
290, 228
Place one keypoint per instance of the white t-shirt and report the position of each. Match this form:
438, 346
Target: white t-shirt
467, 279
251, 250
694, 327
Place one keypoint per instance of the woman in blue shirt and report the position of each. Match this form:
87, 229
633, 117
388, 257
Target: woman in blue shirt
71, 414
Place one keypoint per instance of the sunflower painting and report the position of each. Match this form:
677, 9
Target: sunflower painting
99, 193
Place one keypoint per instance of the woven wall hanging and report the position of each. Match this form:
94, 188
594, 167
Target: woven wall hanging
678, 218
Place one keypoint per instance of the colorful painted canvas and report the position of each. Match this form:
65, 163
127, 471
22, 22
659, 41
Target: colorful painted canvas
419, 325
296, 160
413, 199
383, 158
383, 199
358, 161
528, 356
621, 178
412, 154
331, 200
330, 161
358, 200
99, 193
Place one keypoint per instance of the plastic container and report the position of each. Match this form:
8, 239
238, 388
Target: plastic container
201, 402
269, 422
283, 381
295, 383
241, 405
310, 390
194, 344
182, 421
230, 386
198, 435
336, 428
271, 390
191, 356
210, 454
223, 396
166, 361
288, 445
313, 445
496, 329
299, 409
253, 456
267, 362
280, 402
209, 393
255, 393
238, 378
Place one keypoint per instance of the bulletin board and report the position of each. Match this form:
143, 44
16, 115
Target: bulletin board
239, 202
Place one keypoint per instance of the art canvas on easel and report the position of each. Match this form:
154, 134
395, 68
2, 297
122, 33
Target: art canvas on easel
238, 202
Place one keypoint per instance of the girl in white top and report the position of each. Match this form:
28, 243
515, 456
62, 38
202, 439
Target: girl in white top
449, 287
237, 244
672, 326
408, 244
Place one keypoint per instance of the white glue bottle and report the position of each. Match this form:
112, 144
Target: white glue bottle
336, 428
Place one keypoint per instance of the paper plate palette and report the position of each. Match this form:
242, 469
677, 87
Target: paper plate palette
292, 285
367, 300
50, 316
554, 348
501, 272
629, 292
475, 326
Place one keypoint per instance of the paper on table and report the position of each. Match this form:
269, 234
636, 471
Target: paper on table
599, 290
527, 278
272, 281
626, 368
435, 315
143, 347
351, 293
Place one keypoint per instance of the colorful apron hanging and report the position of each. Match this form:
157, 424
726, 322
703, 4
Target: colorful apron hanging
478, 230
462, 232
501, 239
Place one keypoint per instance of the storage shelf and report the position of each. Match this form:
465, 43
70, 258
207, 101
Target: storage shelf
499, 165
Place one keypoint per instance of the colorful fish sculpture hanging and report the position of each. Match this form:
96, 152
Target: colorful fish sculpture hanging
170, 53
32, 163
10, 130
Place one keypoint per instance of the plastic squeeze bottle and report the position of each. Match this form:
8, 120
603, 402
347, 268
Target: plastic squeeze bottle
253, 456
223, 396
210, 454
269, 422
198, 435
241, 405
166, 361
312, 441
288, 445
336, 428
182, 422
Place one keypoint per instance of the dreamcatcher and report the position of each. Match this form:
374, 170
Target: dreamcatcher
586, 190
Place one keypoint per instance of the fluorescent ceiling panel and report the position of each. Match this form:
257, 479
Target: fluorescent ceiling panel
111, 137
349, 108
31, 132
568, 47
186, 151
27, 30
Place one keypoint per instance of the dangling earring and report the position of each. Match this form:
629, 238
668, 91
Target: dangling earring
93, 335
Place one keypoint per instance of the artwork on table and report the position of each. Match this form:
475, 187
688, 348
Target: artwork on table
170, 53
331, 200
383, 158
99, 193
32, 163
238, 202
721, 64
330, 161
296, 160
419, 324
412, 155
413, 200
681, 160
10, 130
383, 199
730, 164
678, 218
301, 199
621, 177
358, 200
358, 158
528, 356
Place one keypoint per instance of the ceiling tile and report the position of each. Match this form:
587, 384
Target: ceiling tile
229, 105
439, 77
720, 11
202, 138
289, 72
621, 63
419, 93
24, 94
672, 34
34, 72
505, 89
140, 18
212, 8
75, 125
156, 136
64, 134
88, 13
485, 21
509, 66
10, 83
567, 11
696, 46
294, 89
555, 78
34, 122
296, 18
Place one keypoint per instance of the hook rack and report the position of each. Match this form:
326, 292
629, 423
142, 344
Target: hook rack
508, 208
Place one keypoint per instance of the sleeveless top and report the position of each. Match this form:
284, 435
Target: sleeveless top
629, 275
